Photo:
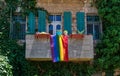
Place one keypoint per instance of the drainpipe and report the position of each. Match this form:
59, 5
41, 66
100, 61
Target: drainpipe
85, 10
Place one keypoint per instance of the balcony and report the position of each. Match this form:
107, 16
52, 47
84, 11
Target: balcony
80, 48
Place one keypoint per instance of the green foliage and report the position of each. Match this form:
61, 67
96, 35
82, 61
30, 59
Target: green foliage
5, 67
109, 11
108, 50
21, 67
65, 69
15, 53
16, 57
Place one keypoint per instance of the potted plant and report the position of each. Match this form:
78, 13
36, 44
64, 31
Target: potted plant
80, 35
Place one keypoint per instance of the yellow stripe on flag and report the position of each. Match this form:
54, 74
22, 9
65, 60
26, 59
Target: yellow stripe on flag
61, 48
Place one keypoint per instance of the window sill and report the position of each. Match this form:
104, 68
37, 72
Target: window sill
76, 36
42, 36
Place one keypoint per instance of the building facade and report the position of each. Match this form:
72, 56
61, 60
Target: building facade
77, 17
73, 16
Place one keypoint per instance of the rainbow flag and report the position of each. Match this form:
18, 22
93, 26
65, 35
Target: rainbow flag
59, 47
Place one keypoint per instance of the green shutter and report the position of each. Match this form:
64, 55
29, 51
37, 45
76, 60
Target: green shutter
41, 21
68, 22
80, 17
31, 23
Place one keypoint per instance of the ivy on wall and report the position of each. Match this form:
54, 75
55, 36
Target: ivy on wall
9, 48
5, 67
108, 50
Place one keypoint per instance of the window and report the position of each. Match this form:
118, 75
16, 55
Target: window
55, 24
51, 29
19, 27
58, 27
94, 26
55, 17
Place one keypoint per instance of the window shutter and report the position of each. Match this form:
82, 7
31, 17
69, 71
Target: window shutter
68, 22
80, 21
41, 21
31, 23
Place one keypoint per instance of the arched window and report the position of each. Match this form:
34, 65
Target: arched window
51, 29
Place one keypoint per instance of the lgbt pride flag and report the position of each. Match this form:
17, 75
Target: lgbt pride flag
59, 47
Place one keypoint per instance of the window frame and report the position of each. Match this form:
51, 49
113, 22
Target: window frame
22, 21
53, 22
94, 23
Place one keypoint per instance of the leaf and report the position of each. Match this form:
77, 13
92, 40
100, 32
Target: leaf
80, 32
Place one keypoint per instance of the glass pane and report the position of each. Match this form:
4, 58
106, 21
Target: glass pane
58, 17
58, 27
22, 31
97, 31
19, 27
96, 18
90, 29
92, 18
93, 26
51, 29
19, 19
51, 18
89, 18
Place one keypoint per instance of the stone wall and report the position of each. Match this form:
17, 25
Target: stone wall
59, 6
